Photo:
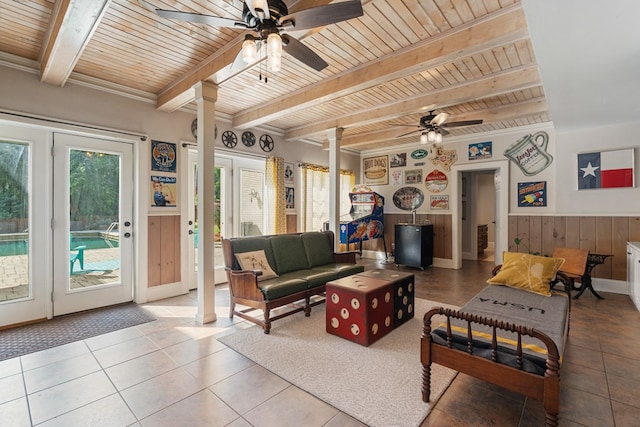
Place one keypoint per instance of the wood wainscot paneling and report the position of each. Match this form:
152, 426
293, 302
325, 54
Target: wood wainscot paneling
164, 250
442, 244
292, 223
602, 234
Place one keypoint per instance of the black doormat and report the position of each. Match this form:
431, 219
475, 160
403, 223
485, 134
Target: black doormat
69, 328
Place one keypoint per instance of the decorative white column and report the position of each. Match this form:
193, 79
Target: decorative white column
206, 97
335, 136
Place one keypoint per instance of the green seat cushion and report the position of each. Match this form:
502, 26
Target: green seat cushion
315, 277
289, 253
282, 286
342, 270
317, 244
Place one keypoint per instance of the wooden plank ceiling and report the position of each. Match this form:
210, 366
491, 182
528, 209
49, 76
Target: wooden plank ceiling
472, 59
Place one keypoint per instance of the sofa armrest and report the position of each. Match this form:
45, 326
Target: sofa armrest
244, 283
345, 257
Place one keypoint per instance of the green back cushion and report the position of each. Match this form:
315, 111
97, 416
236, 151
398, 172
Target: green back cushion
250, 244
289, 253
318, 247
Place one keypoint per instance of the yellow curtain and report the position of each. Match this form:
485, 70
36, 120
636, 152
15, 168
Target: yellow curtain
275, 189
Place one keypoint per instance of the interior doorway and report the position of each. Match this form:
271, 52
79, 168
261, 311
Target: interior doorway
479, 215
465, 238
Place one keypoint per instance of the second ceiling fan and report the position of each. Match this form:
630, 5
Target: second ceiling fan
267, 19
434, 127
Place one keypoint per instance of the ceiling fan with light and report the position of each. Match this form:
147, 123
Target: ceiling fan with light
434, 127
267, 19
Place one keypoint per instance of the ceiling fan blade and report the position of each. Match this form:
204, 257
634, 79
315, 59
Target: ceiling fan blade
197, 18
259, 8
440, 119
324, 15
303, 53
443, 131
408, 133
463, 123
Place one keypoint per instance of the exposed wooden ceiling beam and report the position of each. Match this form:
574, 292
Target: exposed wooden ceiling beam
489, 115
71, 26
506, 26
495, 84
180, 91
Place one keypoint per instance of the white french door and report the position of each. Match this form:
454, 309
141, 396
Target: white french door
222, 221
92, 223
24, 224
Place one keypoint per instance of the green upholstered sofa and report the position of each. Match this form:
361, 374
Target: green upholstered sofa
303, 262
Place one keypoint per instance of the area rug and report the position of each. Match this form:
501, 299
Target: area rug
379, 385
69, 328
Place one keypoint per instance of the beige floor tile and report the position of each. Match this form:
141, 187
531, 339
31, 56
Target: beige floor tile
622, 366
140, 369
202, 409
159, 392
291, 408
11, 388
15, 413
624, 389
127, 350
65, 397
218, 366
625, 415
60, 372
584, 357
112, 338
10, 367
249, 388
53, 355
107, 412
192, 350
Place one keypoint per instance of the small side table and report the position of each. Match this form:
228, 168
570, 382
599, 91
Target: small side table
593, 260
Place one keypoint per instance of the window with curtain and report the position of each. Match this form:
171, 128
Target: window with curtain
316, 194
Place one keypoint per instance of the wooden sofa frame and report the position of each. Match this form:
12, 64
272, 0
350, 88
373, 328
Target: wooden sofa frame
544, 388
244, 290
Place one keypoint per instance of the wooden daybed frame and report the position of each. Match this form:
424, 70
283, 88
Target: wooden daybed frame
545, 388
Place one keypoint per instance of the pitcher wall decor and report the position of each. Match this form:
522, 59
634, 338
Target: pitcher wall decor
530, 153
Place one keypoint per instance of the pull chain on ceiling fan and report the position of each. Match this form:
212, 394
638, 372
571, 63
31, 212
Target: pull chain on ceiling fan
267, 19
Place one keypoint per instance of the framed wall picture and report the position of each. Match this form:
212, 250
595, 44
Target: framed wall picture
290, 199
288, 173
376, 170
398, 160
532, 194
164, 191
413, 176
163, 156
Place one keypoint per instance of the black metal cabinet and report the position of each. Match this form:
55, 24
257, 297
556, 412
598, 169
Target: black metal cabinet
414, 245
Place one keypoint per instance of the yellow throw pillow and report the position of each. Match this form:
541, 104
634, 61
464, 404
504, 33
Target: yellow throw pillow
528, 272
256, 260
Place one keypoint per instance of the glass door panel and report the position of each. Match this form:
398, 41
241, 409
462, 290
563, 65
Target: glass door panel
14, 221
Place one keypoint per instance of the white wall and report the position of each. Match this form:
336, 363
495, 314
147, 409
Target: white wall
611, 201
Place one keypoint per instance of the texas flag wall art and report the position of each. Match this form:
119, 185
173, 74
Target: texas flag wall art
606, 169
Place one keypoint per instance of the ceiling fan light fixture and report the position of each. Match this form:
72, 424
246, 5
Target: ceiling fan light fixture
249, 49
274, 52
438, 138
431, 136
424, 139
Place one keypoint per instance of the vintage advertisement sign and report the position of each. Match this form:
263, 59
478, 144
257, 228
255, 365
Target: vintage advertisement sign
163, 191
443, 158
532, 194
436, 181
163, 156
376, 170
440, 203
480, 151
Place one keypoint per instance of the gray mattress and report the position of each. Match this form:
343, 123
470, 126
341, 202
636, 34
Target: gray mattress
549, 315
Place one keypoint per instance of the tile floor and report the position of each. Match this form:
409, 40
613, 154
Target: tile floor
171, 372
